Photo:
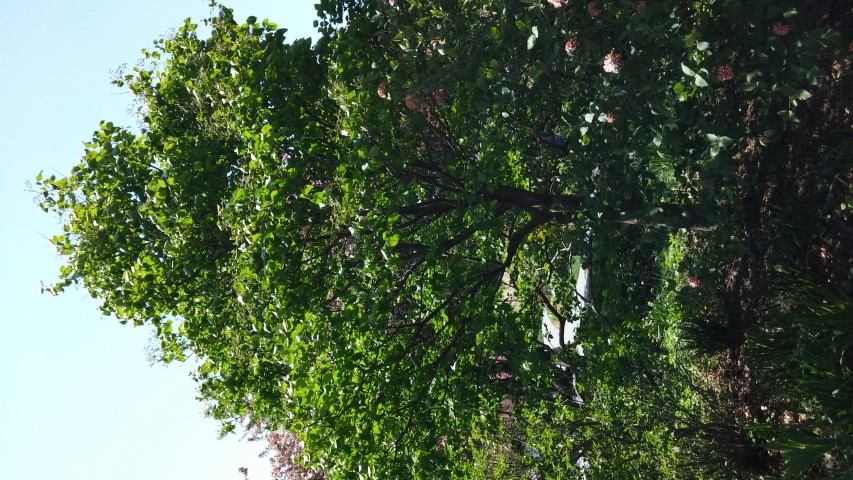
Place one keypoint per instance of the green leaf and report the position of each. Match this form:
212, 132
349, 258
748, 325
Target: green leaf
715, 150
789, 116
700, 82
531, 41
392, 240
691, 39
687, 71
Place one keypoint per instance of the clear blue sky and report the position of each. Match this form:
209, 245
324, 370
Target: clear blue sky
78, 399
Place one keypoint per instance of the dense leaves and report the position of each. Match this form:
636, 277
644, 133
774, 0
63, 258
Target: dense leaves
357, 237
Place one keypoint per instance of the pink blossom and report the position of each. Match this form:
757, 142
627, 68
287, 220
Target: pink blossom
411, 103
612, 62
640, 5
441, 444
439, 97
571, 46
593, 9
434, 44
693, 282
781, 29
609, 117
556, 3
725, 73
392, 2
382, 90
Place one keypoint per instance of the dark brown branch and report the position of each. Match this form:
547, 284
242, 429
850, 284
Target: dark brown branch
420, 249
428, 207
518, 238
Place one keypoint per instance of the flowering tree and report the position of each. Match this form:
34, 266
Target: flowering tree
348, 233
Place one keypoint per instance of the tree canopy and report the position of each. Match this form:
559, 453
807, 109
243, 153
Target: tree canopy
353, 235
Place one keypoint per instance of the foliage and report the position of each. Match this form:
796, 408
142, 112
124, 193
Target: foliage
804, 352
357, 237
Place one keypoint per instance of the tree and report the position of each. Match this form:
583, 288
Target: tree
332, 233
347, 234
238, 224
